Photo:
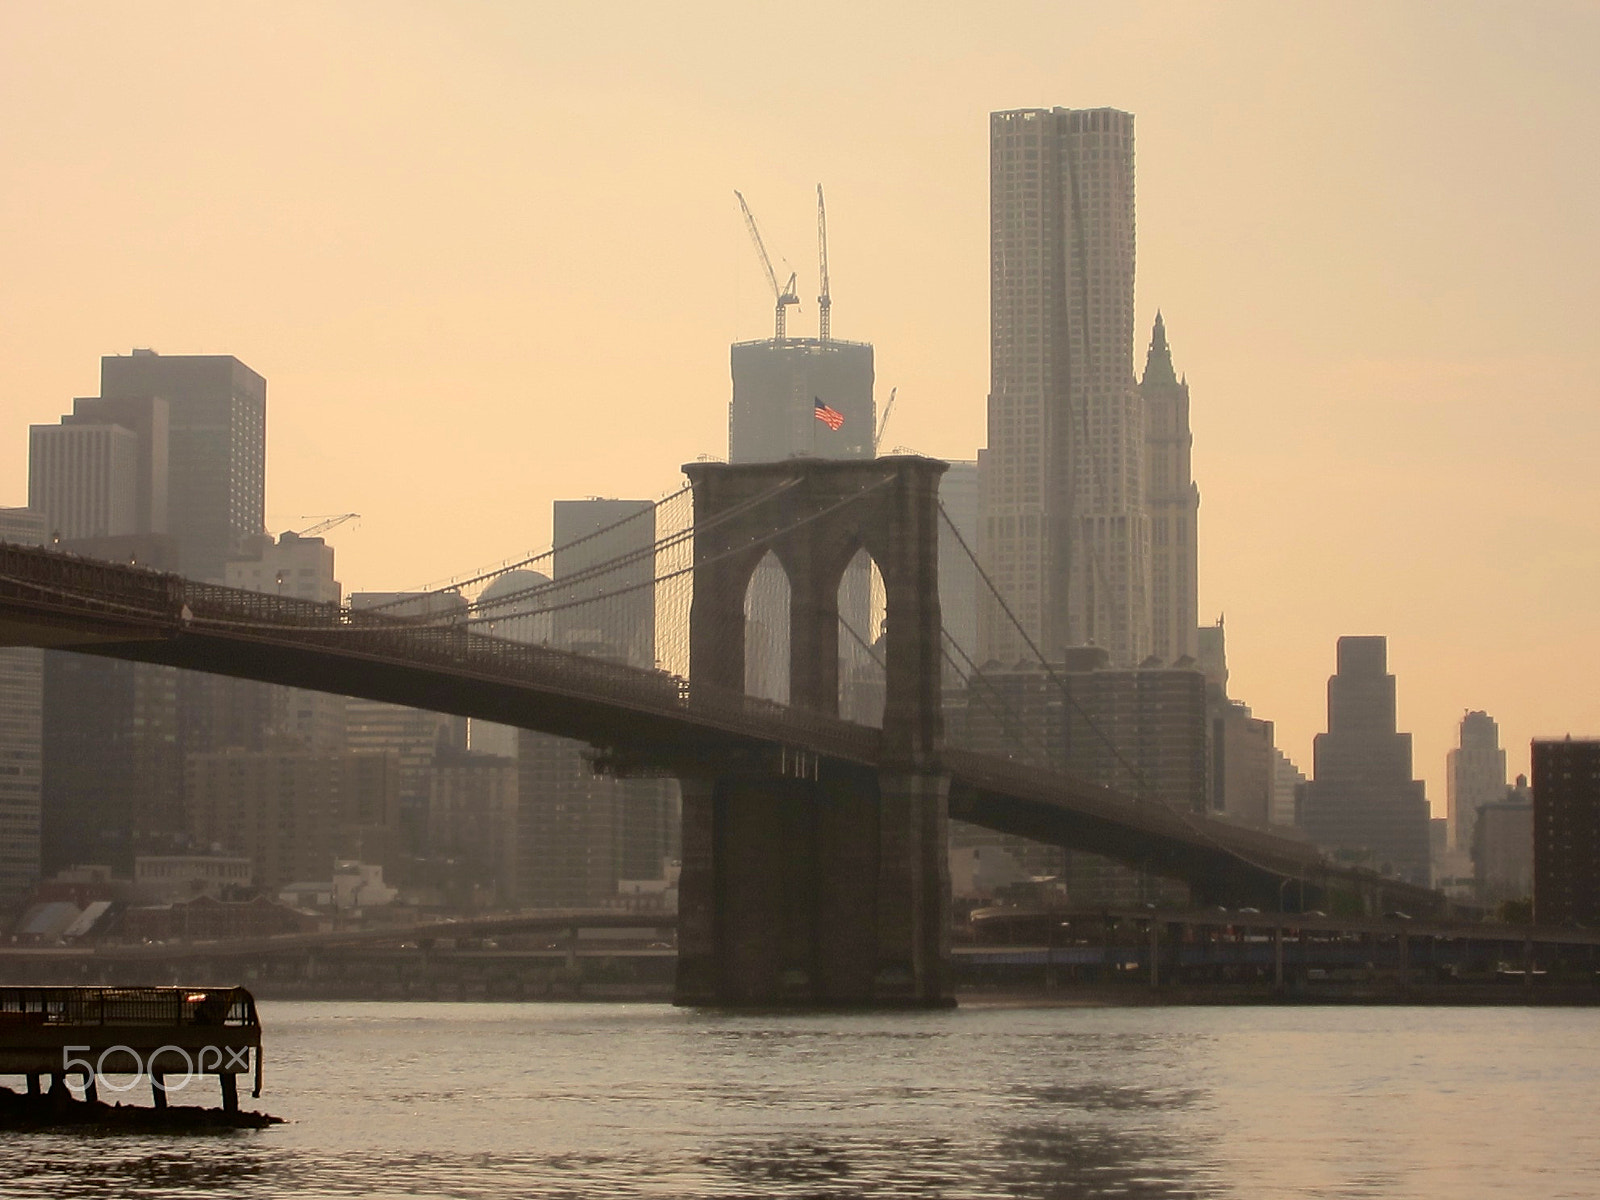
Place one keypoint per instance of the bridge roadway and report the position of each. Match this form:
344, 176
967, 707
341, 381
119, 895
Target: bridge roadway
639, 721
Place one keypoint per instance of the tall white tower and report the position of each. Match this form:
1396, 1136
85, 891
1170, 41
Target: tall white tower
1064, 530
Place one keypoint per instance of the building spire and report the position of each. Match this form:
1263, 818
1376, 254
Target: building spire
1158, 364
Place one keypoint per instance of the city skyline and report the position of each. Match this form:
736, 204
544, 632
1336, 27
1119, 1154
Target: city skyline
1414, 351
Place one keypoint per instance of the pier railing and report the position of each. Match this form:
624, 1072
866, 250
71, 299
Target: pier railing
157, 1007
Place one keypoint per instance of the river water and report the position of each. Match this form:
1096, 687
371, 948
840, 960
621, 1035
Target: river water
573, 1100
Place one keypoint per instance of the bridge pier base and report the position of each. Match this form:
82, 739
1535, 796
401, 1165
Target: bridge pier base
826, 892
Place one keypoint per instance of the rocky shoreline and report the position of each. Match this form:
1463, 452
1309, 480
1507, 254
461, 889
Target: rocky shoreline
20, 1112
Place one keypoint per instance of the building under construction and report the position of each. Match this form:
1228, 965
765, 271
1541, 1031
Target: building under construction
800, 397
806, 397
777, 386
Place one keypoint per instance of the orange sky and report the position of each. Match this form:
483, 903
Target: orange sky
487, 255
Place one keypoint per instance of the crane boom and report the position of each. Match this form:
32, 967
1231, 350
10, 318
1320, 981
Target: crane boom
883, 421
326, 524
784, 296
824, 301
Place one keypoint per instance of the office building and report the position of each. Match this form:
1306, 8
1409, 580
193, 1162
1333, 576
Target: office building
513, 607
216, 462
1288, 784
1475, 775
21, 739
580, 833
1362, 804
1065, 532
1566, 831
1242, 769
1502, 846
267, 716
84, 479
414, 736
1243, 773
148, 419
1173, 502
294, 814
113, 762
959, 584
777, 386
611, 614
472, 830
113, 741
165, 469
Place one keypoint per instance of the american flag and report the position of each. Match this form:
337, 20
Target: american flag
831, 417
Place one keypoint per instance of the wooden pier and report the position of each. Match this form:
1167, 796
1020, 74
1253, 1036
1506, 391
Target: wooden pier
173, 1035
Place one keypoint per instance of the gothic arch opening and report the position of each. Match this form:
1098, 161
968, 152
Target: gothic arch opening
861, 650
766, 631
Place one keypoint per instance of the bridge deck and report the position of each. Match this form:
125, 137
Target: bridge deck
640, 718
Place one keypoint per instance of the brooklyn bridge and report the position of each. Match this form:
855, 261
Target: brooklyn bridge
815, 866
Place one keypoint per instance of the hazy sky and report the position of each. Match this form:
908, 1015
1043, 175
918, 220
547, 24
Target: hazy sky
487, 255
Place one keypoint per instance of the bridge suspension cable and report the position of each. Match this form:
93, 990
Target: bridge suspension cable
668, 542
765, 539
1194, 821
530, 560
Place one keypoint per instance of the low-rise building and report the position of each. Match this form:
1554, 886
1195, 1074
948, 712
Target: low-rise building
162, 879
206, 918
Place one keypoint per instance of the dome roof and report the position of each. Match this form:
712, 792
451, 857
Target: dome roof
510, 584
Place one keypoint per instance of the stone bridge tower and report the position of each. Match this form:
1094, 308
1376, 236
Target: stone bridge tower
818, 882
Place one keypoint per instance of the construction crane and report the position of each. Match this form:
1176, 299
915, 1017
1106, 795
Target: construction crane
785, 295
326, 524
824, 301
883, 421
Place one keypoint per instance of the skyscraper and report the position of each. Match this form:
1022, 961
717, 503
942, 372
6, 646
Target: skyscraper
21, 738
776, 387
1362, 802
1173, 502
619, 619
147, 418
1288, 783
286, 717
414, 736
1065, 532
112, 774
958, 575
1475, 775
84, 479
578, 833
514, 604
217, 422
